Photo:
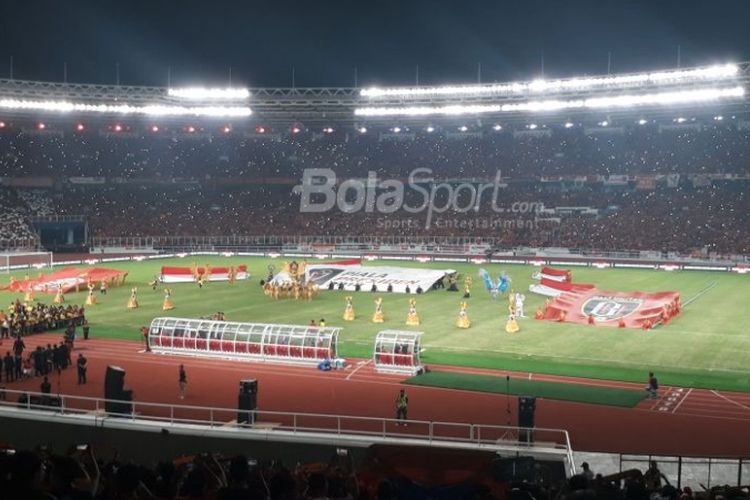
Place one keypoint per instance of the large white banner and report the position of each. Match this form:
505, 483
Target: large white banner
366, 276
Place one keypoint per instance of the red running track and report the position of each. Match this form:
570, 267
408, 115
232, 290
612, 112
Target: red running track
682, 421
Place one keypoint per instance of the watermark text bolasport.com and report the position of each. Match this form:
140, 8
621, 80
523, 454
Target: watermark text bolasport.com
470, 223
319, 193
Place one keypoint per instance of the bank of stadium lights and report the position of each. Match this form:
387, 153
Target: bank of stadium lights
497, 127
642, 121
41, 125
209, 94
127, 109
606, 102
190, 129
328, 130
2, 124
463, 128
396, 130
718, 118
80, 127
226, 129
604, 123
568, 125
430, 129
362, 130
154, 128
532, 126
717, 72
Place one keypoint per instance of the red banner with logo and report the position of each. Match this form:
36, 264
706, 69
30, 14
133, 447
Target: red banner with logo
619, 309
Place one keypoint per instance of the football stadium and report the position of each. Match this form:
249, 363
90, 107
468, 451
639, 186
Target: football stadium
520, 284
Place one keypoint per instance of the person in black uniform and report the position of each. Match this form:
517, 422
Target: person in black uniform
9, 367
82, 364
45, 387
86, 329
183, 382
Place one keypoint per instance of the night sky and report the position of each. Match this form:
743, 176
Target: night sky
385, 40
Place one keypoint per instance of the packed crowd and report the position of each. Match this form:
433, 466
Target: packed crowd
652, 149
81, 474
233, 184
24, 319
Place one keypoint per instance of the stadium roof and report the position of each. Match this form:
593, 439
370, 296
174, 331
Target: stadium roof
716, 88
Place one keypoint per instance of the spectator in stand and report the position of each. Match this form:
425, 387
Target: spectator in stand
587, 472
653, 478
182, 382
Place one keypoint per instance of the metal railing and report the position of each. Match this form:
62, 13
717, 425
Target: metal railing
696, 472
431, 432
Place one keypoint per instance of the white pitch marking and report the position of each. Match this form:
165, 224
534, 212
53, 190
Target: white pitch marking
674, 410
357, 369
730, 400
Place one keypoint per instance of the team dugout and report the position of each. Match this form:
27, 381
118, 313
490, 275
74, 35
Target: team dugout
291, 344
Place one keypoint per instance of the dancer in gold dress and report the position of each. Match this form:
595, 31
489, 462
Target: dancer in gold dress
91, 298
133, 300
349, 310
463, 320
60, 295
378, 316
167, 305
511, 326
412, 319
29, 295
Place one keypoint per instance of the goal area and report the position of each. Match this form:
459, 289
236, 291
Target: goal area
14, 261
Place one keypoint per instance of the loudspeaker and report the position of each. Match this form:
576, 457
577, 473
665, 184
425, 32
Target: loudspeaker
526, 410
118, 399
114, 382
247, 404
249, 386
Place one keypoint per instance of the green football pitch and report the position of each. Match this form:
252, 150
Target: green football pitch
706, 346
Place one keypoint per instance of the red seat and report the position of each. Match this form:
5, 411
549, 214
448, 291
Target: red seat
214, 345
386, 359
179, 343
240, 347
227, 346
296, 352
283, 350
322, 353
166, 341
308, 352
270, 349
253, 348
200, 344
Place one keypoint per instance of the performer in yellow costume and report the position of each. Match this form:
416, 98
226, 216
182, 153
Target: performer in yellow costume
167, 305
378, 316
349, 310
463, 320
59, 296
29, 295
91, 299
412, 319
468, 281
511, 326
133, 300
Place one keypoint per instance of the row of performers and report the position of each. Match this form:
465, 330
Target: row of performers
412, 317
60, 294
295, 290
167, 304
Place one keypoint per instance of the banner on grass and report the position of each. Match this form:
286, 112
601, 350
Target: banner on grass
171, 274
632, 309
397, 277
